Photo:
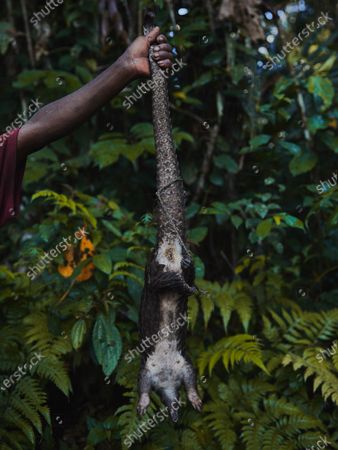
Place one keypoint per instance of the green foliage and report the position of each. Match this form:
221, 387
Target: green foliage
323, 376
106, 342
263, 326
23, 410
232, 350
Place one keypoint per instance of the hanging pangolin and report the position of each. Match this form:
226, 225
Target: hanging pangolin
170, 273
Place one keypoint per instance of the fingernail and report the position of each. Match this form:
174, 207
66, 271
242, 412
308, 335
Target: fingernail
157, 48
156, 55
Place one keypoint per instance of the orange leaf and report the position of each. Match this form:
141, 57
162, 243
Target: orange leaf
86, 273
87, 248
66, 271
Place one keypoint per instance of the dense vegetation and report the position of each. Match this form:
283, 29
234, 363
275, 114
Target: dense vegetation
255, 138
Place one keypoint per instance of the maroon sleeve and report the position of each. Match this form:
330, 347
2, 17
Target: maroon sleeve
10, 177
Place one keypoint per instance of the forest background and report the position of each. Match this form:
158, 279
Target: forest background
254, 111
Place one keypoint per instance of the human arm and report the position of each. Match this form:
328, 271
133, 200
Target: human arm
58, 118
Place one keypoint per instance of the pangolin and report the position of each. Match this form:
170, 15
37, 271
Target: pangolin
170, 273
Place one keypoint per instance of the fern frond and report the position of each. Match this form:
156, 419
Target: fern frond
14, 418
53, 369
24, 406
219, 421
229, 298
279, 425
323, 376
189, 441
192, 311
225, 300
124, 273
38, 334
30, 390
301, 328
243, 392
52, 348
207, 308
21, 412
127, 265
27, 411
62, 201
128, 420
234, 349
243, 306
10, 441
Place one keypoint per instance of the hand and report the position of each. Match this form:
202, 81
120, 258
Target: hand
137, 53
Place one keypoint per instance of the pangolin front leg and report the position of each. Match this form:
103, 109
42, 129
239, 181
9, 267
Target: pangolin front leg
163, 280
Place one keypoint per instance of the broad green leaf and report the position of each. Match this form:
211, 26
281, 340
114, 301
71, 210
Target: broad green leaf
103, 262
142, 130
330, 140
264, 228
327, 65
107, 342
70, 82
216, 208
196, 235
132, 152
199, 267
29, 78
236, 221
259, 140
84, 74
78, 333
303, 163
291, 147
35, 171
180, 136
217, 178
107, 152
226, 162
262, 210
323, 88
112, 228
316, 123
293, 221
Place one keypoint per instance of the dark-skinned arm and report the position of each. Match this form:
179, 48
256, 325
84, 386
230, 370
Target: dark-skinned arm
57, 119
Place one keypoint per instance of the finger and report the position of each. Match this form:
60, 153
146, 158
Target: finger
165, 63
165, 47
162, 55
161, 39
152, 36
